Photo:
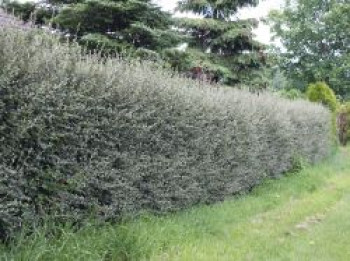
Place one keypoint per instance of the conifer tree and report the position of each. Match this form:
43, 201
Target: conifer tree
133, 26
222, 44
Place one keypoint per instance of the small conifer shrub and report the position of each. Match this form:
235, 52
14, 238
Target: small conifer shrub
322, 93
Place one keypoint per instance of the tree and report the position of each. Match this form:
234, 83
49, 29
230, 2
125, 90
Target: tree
223, 45
114, 25
316, 36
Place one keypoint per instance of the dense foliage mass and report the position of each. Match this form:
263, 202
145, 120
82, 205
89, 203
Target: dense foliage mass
322, 93
316, 37
123, 27
343, 123
81, 135
225, 46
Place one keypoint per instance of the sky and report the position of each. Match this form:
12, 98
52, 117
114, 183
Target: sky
262, 33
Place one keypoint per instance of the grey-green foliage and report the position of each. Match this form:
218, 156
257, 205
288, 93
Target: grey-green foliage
81, 135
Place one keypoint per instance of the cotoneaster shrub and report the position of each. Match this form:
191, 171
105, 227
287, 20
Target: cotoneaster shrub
81, 136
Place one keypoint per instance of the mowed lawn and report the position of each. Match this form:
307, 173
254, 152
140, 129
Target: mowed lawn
301, 216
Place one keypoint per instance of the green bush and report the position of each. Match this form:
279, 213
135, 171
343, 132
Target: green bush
347, 111
322, 93
343, 123
83, 136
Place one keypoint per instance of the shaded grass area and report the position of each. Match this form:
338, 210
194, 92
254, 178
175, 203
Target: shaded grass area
302, 216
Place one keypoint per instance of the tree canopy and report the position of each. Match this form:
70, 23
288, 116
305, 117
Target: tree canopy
119, 26
316, 36
226, 45
123, 24
215, 8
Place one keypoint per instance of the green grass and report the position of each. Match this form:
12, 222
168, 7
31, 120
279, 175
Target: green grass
302, 216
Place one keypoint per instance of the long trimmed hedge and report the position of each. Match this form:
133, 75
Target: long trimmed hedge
81, 135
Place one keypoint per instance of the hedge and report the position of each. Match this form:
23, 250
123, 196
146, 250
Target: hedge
84, 135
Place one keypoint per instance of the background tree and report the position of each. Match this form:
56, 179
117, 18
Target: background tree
316, 36
124, 26
224, 45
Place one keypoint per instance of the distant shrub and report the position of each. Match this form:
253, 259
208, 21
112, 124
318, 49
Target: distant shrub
322, 93
82, 136
343, 123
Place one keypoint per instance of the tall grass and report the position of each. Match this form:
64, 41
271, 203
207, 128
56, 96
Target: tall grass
84, 135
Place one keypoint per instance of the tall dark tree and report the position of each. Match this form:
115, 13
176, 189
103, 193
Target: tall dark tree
135, 23
133, 26
222, 44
